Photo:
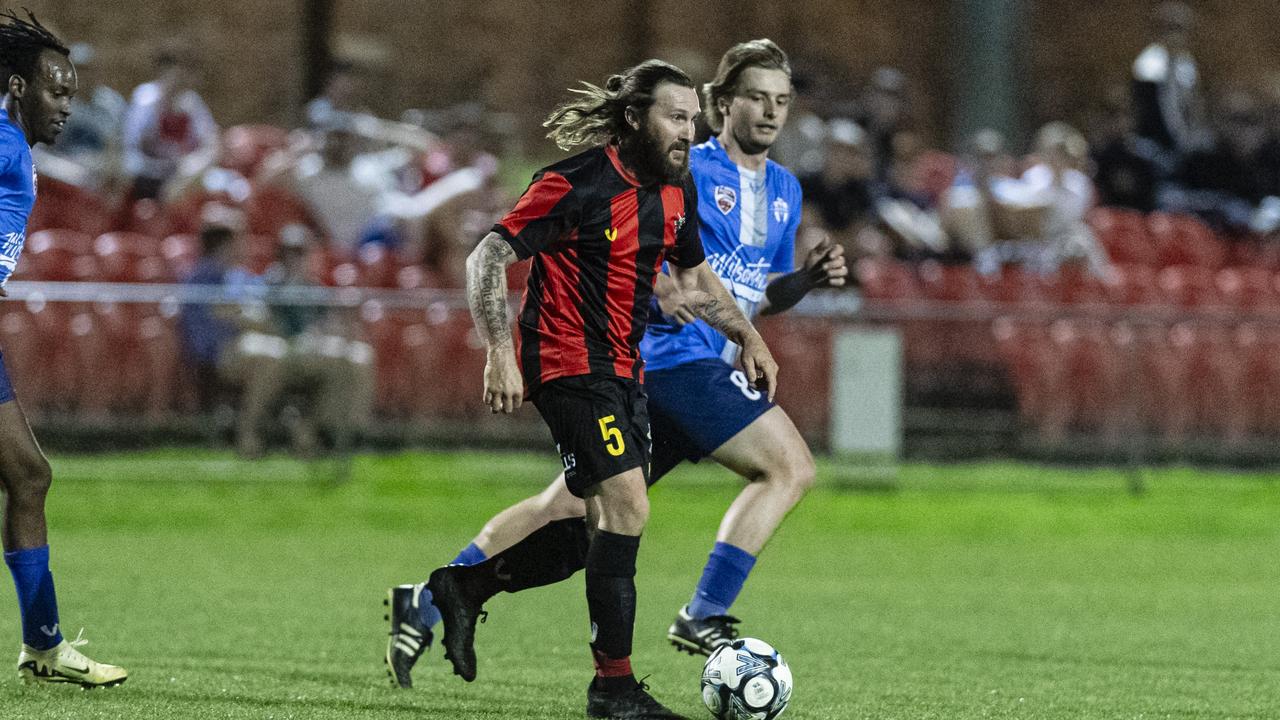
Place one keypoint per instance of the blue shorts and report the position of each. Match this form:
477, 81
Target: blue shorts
6, 387
695, 408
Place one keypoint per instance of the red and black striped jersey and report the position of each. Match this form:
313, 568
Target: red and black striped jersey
598, 240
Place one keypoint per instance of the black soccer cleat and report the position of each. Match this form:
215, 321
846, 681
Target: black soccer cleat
459, 610
634, 704
409, 636
701, 637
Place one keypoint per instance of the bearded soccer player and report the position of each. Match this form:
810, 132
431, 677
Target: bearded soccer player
40, 81
599, 227
699, 403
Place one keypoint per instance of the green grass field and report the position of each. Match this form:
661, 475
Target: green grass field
235, 590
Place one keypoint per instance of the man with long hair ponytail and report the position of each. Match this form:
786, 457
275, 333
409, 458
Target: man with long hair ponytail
599, 227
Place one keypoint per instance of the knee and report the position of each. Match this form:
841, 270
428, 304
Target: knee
626, 514
796, 477
29, 482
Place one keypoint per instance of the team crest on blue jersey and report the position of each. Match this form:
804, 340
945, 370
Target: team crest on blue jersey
781, 210
726, 198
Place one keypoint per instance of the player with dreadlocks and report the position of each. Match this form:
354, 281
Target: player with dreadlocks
39, 83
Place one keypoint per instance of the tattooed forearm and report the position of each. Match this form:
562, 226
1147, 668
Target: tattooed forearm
487, 289
711, 302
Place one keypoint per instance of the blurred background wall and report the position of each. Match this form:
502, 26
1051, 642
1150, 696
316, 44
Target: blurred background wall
519, 57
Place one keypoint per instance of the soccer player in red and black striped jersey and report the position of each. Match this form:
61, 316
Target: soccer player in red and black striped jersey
598, 226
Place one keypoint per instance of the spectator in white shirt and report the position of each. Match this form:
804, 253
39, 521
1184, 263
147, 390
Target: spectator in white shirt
170, 136
1037, 219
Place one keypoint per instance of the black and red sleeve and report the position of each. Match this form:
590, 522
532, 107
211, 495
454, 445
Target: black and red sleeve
547, 210
688, 251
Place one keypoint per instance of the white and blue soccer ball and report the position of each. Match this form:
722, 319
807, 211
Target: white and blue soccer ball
746, 680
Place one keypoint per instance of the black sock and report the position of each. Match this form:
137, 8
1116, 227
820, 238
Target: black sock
611, 602
550, 554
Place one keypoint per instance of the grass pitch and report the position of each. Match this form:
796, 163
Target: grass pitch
236, 590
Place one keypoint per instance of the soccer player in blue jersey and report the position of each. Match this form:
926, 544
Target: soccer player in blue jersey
39, 83
700, 404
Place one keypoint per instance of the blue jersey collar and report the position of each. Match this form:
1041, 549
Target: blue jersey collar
722, 155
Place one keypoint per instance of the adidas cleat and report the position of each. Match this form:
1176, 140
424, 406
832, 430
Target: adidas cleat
409, 637
459, 610
65, 664
701, 637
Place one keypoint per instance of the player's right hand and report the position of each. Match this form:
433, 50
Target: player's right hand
758, 365
503, 386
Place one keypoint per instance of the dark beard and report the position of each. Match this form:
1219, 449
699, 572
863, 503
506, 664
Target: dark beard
641, 154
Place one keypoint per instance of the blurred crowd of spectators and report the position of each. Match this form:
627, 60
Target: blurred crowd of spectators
1163, 142
423, 189
425, 186
273, 208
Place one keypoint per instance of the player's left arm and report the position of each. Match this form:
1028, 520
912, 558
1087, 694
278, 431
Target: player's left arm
708, 299
823, 265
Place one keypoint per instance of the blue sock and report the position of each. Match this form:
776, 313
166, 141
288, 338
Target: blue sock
722, 580
36, 599
470, 555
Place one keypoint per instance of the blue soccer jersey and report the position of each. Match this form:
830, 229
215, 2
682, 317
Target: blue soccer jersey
17, 193
748, 227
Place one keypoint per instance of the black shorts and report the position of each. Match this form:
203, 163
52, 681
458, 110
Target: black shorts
600, 425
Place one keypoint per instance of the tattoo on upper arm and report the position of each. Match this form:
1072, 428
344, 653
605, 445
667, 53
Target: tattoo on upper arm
487, 288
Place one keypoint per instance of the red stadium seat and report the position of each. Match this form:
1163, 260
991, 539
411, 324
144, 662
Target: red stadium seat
72, 241
1023, 348
1247, 288
130, 257
1258, 347
882, 279
1190, 286
271, 208
377, 266
1014, 285
1134, 285
1185, 240
1212, 391
950, 283
58, 255
1077, 286
1124, 235
60, 205
149, 217
1083, 377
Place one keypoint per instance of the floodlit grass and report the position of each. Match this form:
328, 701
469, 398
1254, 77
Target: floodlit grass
236, 590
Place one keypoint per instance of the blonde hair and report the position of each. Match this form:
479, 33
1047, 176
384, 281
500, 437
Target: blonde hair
763, 53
